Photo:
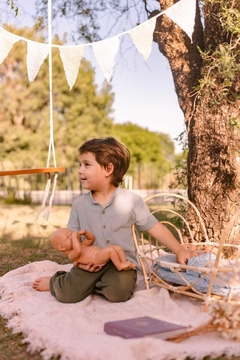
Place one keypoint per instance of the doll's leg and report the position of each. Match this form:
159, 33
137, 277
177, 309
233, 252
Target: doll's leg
115, 254
120, 252
124, 263
116, 286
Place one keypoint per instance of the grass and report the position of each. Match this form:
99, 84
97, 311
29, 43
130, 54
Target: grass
13, 254
30, 250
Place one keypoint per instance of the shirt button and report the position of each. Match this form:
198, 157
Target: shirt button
103, 212
104, 226
108, 242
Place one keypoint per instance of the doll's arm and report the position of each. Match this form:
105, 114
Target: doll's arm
91, 267
89, 237
75, 253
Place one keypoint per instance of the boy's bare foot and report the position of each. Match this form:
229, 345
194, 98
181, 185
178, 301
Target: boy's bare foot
42, 283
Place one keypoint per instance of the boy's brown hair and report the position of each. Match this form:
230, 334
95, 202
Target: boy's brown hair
109, 150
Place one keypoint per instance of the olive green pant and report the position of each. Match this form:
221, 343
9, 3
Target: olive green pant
77, 284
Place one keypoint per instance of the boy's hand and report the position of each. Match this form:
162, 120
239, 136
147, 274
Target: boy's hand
184, 254
89, 267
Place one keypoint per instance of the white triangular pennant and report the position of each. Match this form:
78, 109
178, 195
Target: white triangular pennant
142, 36
7, 40
71, 58
105, 52
183, 13
36, 54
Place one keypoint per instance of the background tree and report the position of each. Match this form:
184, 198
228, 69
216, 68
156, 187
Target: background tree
206, 76
79, 114
24, 113
152, 155
207, 80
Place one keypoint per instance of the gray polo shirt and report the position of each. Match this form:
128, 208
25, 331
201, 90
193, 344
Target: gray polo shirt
112, 224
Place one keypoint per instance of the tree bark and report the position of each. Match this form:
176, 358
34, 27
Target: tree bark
211, 120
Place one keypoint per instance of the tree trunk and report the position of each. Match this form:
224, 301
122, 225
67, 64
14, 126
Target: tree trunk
211, 118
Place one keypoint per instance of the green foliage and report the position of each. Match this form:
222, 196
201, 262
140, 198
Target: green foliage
12, 198
221, 64
230, 20
229, 16
152, 154
24, 115
180, 172
79, 114
235, 123
221, 72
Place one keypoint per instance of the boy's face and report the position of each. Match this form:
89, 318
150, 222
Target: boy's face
92, 175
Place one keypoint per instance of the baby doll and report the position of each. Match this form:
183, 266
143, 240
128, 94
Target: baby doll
69, 242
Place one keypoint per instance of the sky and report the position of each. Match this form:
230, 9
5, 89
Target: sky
144, 95
144, 91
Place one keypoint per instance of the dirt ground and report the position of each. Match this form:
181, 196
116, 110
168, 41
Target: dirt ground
18, 221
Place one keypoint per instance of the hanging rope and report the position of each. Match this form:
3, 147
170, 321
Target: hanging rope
45, 196
47, 213
51, 140
51, 148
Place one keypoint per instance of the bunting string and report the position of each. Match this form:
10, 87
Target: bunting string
182, 13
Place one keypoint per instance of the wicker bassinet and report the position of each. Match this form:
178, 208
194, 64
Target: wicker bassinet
207, 276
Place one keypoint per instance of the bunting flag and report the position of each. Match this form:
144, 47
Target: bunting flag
182, 13
142, 37
36, 54
7, 40
105, 52
71, 58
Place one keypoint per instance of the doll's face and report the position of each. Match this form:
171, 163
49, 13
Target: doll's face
62, 239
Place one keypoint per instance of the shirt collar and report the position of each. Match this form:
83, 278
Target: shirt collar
110, 201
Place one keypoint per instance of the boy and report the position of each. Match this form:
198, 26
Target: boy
108, 211
69, 242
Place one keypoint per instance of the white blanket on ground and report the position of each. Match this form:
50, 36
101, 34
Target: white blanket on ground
75, 331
